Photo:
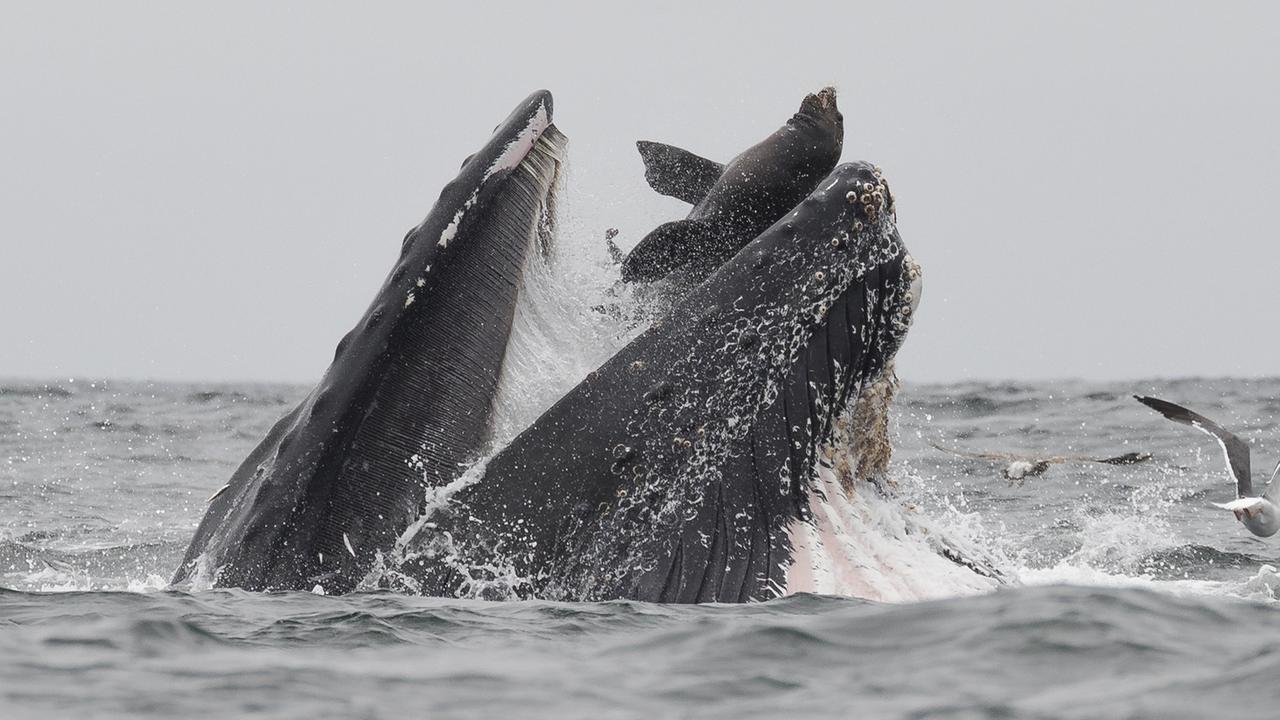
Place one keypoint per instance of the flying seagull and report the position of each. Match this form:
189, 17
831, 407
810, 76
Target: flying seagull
1021, 467
1257, 512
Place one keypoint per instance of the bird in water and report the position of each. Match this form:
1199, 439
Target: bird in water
1021, 467
1258, 513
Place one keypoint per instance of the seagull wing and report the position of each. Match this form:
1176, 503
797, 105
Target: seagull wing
1273, 491
984, 455
1057, 459
1235, 449
1132, 458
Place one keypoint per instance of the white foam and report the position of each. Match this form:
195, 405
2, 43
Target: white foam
1113, 549
567, 323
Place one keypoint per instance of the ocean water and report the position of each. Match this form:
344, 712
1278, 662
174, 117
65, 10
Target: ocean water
1131, 597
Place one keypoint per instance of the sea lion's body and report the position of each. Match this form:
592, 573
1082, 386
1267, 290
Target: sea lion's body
733, 204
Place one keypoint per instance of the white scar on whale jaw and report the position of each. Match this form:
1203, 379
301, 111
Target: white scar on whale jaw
511, 155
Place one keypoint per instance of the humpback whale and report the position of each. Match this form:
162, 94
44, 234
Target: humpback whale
409, 392
734, 203
696, 464
713, 458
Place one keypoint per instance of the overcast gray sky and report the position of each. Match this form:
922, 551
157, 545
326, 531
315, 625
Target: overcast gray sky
215, 191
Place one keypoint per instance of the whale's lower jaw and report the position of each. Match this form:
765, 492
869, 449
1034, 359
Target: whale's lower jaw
408, 397
857, 541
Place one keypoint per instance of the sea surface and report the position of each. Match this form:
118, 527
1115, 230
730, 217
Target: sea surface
1131, 597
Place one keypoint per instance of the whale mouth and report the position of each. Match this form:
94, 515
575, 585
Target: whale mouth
693, 448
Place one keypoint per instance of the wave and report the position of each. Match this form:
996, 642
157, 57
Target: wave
1028, 652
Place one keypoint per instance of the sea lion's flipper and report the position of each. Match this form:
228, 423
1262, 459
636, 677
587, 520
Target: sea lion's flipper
669, 246
678, 173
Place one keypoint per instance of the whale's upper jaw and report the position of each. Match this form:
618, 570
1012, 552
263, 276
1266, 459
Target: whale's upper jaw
812, 312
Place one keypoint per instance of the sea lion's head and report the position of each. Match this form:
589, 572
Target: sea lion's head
820, 109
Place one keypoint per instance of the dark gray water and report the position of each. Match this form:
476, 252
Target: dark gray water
1135, 597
